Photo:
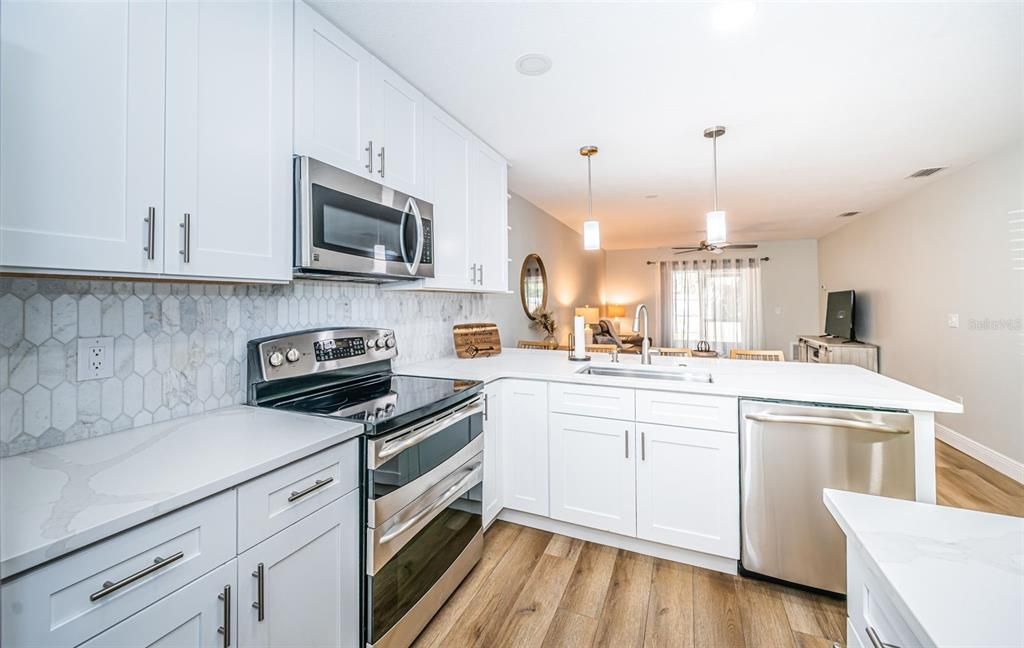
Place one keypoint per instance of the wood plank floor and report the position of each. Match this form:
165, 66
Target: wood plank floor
534, 588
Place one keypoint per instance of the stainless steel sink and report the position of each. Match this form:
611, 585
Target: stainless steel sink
650, 374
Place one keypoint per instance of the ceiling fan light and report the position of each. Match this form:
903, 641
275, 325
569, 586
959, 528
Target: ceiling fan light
591, 235
716, 227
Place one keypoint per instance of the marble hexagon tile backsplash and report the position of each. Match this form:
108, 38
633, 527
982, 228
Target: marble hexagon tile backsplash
179, 348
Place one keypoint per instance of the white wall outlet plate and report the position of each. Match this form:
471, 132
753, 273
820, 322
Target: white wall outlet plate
953, 320
95, 358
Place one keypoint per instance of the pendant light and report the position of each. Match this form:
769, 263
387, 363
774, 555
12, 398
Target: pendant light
716, 232
591, 228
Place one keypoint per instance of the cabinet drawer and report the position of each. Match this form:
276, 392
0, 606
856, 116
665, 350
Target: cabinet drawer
72, 599
592, 400
869, 606
269, 503
687, 410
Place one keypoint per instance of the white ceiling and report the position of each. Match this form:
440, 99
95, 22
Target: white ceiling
828, 105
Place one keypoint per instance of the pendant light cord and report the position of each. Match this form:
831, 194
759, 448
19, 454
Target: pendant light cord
714, 148
590, 191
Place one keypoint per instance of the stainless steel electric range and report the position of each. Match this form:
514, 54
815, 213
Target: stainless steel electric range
422, 464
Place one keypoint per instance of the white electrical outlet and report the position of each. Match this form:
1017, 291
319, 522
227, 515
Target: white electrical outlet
95, 358
953, 320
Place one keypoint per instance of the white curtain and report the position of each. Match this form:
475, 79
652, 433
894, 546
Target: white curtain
717, 301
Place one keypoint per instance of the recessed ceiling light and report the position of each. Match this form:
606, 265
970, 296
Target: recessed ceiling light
732, 15
533, 64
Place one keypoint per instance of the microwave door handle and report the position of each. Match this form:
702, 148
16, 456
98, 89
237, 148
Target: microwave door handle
401, 229
419, 238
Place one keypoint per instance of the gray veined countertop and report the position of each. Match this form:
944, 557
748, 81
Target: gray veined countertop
796, 381
60, 499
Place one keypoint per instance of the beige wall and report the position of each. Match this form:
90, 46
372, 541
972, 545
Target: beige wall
789, 283
946, 249
575, 276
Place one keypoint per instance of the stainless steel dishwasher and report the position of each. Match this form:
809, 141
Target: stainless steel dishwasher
789, 452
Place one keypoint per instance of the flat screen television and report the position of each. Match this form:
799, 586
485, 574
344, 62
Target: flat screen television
839, 315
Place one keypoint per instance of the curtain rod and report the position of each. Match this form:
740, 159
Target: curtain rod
657, 262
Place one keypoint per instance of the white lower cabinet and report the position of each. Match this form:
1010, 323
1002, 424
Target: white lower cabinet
202, 614
687, 488
492, 453
593, 472
524, 445
300, 587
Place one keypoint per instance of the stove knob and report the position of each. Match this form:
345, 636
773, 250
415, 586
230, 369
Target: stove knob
371, 343
276, 359
292, 355
390, 409
379, 343
391, 342
381, 412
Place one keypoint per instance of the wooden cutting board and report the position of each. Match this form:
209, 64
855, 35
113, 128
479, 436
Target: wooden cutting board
476, 340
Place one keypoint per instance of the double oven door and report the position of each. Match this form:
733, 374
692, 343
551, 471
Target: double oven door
424, 520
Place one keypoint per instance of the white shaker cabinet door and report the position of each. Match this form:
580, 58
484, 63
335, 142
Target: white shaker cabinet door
488, 221
400, 154
336, 120
524, 448
493, 473
229, 139
688, 488
81, 135
200, 615
448, 150
300, 587
593, 472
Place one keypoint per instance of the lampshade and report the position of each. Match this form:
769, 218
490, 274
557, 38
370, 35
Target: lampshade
616, 311
590, 314
591, 235
716, 227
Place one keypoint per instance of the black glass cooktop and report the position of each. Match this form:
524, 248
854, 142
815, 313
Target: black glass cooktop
383, 402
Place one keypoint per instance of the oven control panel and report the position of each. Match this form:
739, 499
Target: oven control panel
310, 352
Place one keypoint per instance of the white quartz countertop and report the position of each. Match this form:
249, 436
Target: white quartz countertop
957, 576
57, 500
797, 381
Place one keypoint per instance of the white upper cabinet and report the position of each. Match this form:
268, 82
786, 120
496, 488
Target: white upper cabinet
352, 111
448, 151
81, 138
335, 112
400, 158
488, 218
229, 124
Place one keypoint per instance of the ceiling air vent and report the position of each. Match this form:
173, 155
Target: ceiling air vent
924, 173
848, 214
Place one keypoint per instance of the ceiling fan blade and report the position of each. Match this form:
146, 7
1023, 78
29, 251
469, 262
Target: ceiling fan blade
688, 248
687, 251
739, 246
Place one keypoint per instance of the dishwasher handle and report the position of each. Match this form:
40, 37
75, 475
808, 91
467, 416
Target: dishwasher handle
827, 421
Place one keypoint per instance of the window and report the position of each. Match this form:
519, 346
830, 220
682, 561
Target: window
717, 301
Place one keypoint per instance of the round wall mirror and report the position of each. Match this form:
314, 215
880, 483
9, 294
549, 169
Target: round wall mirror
533, 285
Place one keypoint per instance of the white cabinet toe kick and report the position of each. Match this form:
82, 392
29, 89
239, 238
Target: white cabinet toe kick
650, 472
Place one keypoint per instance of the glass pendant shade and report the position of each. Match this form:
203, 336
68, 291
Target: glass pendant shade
591, 235
716, 227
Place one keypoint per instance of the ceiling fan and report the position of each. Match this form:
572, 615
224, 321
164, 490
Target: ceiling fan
714, 248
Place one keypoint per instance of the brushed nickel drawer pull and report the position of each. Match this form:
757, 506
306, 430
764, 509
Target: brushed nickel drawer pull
369, 158
150, 234
109, 587
226, 628
186, 250
317, 485
876, 641
258, 575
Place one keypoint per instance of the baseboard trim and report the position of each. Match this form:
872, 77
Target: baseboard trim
986, 455
636, 545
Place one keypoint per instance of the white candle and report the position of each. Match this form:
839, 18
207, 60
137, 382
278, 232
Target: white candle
580, 349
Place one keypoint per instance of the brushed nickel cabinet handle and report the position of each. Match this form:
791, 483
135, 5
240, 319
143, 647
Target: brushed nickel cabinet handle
473, 269
627, 444
643, 446
186, 250
226, 628
481, 274
369, 158
110, 587
876, 641
317, 485
259, 603
150, 221
381, 156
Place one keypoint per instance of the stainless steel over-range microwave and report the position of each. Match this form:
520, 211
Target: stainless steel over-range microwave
354, 228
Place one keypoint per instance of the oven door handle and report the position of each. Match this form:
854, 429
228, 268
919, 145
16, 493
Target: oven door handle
392, 448
473, 473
